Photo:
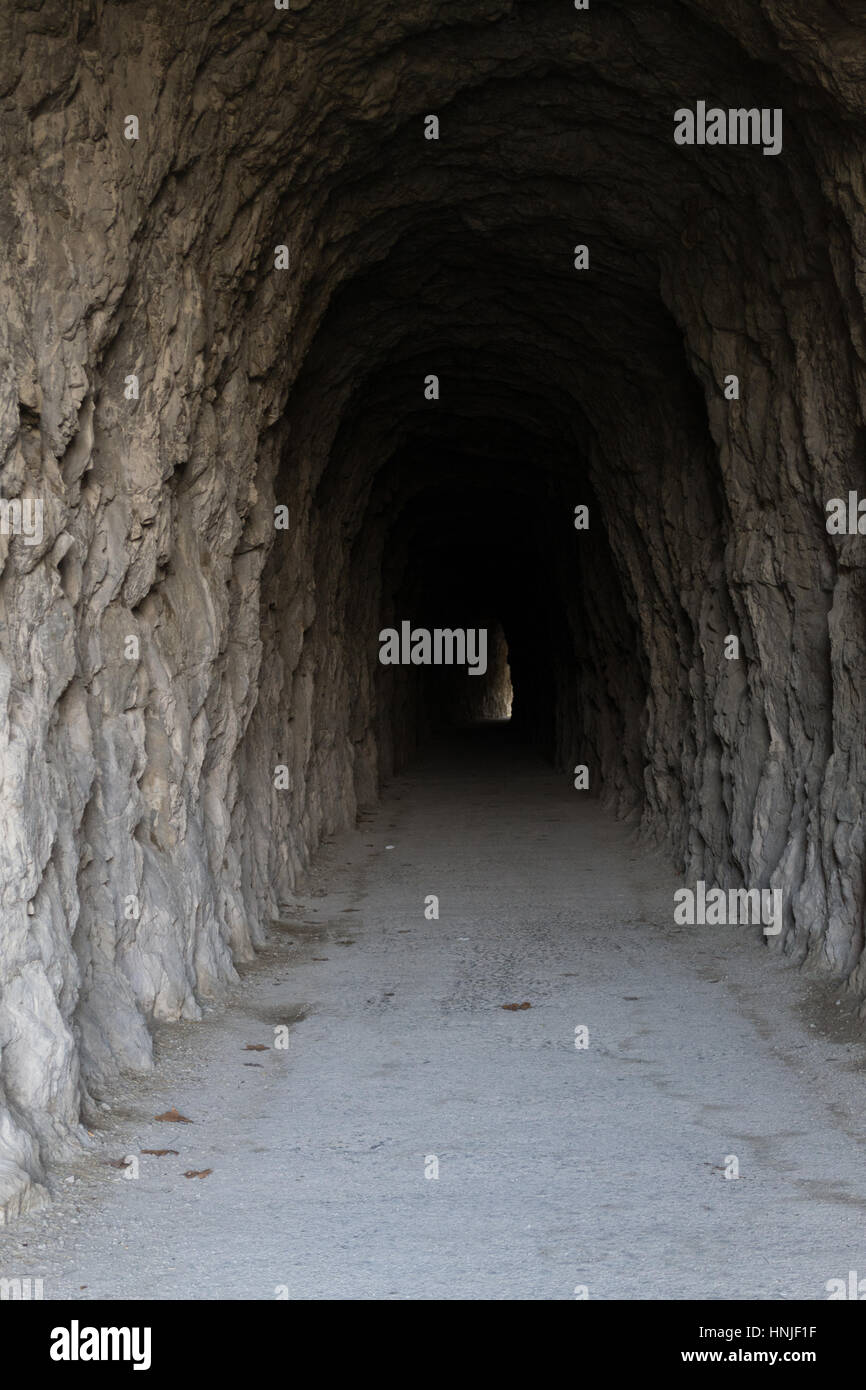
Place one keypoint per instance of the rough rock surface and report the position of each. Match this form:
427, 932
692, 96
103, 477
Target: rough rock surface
144, 842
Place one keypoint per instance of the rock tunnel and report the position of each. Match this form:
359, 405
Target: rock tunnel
325, 318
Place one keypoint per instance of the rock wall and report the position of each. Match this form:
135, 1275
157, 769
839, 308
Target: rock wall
190, 696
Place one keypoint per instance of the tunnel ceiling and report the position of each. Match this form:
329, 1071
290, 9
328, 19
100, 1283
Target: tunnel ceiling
165, 647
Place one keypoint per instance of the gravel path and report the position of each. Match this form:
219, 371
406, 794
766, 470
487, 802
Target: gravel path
558, 1167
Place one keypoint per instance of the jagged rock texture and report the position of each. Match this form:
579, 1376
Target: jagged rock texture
146, 784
